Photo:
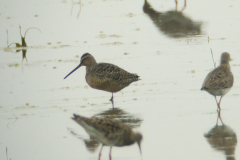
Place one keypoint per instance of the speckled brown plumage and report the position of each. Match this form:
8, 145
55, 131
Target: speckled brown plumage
112, 73
105, 76
108, 131
220, 80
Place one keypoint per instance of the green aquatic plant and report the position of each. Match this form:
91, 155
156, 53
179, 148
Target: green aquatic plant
24, 44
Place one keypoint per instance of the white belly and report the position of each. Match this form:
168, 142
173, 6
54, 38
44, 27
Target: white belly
218, 92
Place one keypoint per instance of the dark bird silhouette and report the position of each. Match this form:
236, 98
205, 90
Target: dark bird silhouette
173, 23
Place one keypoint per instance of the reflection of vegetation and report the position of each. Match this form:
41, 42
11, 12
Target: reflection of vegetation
116, 114
73, 3
24, 54
173, 23
223, 138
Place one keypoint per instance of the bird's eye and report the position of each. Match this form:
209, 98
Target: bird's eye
83, 59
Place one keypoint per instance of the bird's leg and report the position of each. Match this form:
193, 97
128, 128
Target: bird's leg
185, 4
112, 100
176, 1
110, 157
216, 102
100, 153
219, 103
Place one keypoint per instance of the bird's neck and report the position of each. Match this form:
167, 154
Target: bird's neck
224, 63
91, 63
88, 69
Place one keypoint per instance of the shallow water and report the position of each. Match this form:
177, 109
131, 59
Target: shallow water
166, 106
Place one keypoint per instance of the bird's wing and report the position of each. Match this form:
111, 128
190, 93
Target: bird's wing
219, 78
112, 73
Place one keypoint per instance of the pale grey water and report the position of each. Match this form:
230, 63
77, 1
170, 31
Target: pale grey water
36, 104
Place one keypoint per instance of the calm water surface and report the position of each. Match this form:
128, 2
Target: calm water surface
169, 48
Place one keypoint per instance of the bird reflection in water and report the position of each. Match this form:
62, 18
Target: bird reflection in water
115, 114
91, 144
120, 115
173, 23
222, 138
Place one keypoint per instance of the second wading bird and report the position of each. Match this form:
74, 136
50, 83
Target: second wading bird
220, 80
105, 76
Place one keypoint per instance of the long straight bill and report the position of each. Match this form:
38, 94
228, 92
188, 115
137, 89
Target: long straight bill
73, 70
139, 148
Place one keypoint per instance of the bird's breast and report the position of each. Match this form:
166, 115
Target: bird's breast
218, 92
102, 83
